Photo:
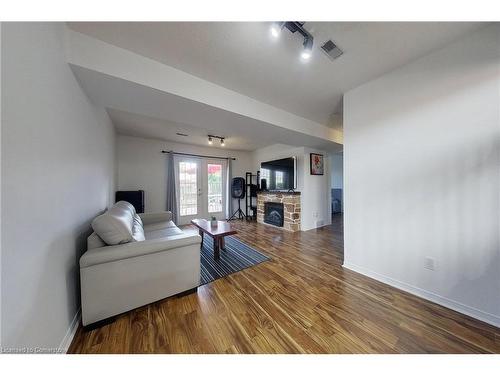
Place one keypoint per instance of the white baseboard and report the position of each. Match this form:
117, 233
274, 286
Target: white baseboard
440, 300
70, 333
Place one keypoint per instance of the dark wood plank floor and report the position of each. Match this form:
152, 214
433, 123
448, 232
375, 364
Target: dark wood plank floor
302, 301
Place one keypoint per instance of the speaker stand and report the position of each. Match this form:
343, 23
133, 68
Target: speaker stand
238, 214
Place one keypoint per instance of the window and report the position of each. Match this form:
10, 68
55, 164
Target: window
188, 188
280, 183
266, 174
214, 187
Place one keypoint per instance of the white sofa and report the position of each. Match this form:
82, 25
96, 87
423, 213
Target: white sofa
133, 260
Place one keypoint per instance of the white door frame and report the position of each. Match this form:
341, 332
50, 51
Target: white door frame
186, 219
202, 188
221, 215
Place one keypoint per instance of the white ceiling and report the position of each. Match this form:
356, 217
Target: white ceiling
136, 125
244, 58
140, 110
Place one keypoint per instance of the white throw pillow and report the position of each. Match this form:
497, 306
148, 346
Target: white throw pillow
115, 226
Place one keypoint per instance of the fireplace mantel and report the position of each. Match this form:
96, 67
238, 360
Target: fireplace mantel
291, 207
278, 192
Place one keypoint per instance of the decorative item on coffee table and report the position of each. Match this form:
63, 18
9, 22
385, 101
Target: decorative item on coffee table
213, 222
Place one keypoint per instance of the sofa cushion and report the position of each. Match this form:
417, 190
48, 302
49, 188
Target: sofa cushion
127, 205
138, 231
161, 230
138, 220
94, 241
159, 225
155, 217
115, 226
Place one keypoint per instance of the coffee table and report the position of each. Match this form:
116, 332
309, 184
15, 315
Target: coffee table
217, 233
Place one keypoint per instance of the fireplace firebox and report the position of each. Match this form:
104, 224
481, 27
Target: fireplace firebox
273, 213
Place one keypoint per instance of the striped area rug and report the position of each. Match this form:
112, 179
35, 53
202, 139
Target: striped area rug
236, 257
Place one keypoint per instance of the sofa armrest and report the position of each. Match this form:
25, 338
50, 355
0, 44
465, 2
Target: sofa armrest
155, 217
135, 249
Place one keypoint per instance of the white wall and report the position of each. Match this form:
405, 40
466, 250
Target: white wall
57, 174
1, 120
337, 174
141, 165
422, 162
315, 198
337, 170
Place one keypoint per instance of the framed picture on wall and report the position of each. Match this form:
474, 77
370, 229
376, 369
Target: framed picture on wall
317, 165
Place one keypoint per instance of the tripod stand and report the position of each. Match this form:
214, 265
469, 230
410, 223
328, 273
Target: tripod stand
238, 214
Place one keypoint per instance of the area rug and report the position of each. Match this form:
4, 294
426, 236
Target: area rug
237, 256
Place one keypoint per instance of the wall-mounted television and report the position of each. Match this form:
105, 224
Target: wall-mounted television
279, 174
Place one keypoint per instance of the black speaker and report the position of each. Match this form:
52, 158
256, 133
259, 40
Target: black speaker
136, 198
263, 184
238, 188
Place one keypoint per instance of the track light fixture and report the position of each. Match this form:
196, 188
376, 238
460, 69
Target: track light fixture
276, 28
211, 137
294, 26
308, 45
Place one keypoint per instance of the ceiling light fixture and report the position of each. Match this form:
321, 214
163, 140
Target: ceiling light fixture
308, 45
276, 28
211, 138
294, 26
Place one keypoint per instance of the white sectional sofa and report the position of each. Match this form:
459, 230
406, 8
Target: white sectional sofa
133, 260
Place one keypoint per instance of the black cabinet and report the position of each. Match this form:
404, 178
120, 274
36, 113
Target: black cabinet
135, 197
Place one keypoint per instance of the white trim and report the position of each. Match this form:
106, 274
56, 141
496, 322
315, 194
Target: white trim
440, 300
70, 333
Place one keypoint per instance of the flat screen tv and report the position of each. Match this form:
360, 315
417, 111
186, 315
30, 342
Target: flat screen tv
279, 174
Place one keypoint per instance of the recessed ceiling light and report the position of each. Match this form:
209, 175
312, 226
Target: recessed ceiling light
222, 142
210, 140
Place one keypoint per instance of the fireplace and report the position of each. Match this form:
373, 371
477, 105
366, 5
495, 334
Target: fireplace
273, 213
286, 204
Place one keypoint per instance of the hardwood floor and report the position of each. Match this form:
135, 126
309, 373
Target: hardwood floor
302, 301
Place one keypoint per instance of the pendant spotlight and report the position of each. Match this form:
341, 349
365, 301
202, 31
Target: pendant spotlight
293, 27
276, 28
211, 137
308, 45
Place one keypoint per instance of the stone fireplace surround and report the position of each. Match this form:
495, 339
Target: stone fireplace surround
291, 208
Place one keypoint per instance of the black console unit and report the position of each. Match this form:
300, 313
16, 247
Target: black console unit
135, 197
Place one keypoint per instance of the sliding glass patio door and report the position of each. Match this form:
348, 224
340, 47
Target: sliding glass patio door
201, 188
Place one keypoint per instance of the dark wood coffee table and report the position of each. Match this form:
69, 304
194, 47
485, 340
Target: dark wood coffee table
217, 233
